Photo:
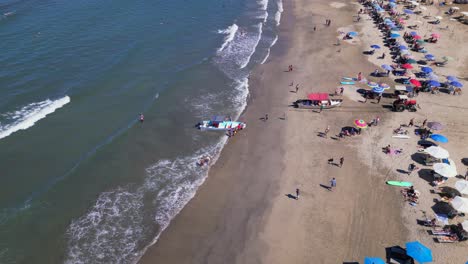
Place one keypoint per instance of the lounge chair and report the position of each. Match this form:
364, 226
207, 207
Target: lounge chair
441, 232
447, 239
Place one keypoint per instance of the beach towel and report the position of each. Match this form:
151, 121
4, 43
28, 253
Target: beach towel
443, 218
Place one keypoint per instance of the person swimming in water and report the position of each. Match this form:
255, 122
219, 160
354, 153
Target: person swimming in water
142, 118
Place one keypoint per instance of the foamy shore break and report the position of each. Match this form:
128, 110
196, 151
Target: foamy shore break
243, 212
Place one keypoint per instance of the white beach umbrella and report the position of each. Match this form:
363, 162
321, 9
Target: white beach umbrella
465, 225
445, 170
437, 152
423, 8
460, 204
455, 8
439, 17
462, 186
464, 13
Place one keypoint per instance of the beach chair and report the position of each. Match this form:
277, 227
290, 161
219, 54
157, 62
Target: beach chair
441, 232
446, 239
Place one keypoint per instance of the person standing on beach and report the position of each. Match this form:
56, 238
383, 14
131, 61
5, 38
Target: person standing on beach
341, 161
378, 99
321, 107
266, 117
326, 131
332, 184
341, 90
297, 194
411, 122
315, 28
424, 123
297, 87
330, 161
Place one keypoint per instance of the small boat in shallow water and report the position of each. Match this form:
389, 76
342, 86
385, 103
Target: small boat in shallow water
221, 123
315, 100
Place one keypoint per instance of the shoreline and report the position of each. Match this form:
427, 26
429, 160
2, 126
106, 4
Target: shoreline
242, 213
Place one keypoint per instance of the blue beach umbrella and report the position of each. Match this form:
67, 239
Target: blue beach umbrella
375, 46
403, 47
387, 67
392, 1
429, 56
426, 69
407, 11
413, 33
394, 35
439, 138
433, 83
419, 252
378, 89
456, 84
452, 78
392, 4
353, 33
373, 260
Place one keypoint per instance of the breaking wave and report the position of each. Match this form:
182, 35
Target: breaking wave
231, 33
28, 115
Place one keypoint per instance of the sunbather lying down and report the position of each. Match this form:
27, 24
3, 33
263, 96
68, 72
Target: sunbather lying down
447, 239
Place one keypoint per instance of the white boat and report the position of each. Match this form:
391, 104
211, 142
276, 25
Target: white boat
220, 123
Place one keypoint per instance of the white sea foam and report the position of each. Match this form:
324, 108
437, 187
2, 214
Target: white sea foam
27, 116
251, 48
231, 33
268, 51
278, 13
263, 4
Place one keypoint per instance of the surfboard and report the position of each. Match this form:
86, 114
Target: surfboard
399, 183
401, 136
347, 82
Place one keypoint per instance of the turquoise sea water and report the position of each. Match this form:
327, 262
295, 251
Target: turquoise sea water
81, 180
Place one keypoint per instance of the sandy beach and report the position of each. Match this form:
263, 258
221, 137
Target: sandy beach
245, 211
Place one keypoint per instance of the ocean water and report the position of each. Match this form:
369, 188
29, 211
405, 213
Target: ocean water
81, 180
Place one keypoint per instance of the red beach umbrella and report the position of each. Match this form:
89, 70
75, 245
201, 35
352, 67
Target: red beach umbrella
407, 66
417, 37
435, 35
360, 123
415, 82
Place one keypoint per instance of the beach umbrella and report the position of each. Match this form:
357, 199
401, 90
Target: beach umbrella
384, 85
433, 83
437, 152
462, 186
445, 170
435, 125
394, 35
392, 4
421, 42
439, 138
405, 52
413, 33
460, 204
353, 33
392, 1
375, 46
426, 69
407, 66
465, 225
407, 11
452, 78
419, 252
435, 35
439, 17
447, 58
403, 47
432, 76
417, 37
414, 3
360, 123
372, 84
429, 57
373, 260
387, 67
456, 84
415, 82
378, 90
423, 7
411, 61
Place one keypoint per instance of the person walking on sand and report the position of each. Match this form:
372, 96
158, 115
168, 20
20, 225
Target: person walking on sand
330, 161
297, 87
297, 194
341, 161
341, 90
411, 122
332, 184
424, 123
315, 28
378, 99
326, 131
411, 168
266, 117
321, 107
359, 76
291, 84
290, 68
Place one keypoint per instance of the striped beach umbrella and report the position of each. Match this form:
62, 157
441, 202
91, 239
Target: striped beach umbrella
378, 90
360, 123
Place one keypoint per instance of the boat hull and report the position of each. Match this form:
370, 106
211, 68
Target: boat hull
304, 104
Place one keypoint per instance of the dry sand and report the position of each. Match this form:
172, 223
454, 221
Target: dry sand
242, 213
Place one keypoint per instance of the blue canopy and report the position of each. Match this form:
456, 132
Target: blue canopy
403, 47
394, 35
456, 84
373, 260
419, 252
375, 46
407, 11
387, 67
353, 33
433, 83
429, 56
426, 69
413, 33
439, 138
392, 1
452, 78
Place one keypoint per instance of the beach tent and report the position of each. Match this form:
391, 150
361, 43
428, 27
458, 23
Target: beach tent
460, 204
465, 225
445, 170
439, 138
437, 152
373, 260
462, 186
